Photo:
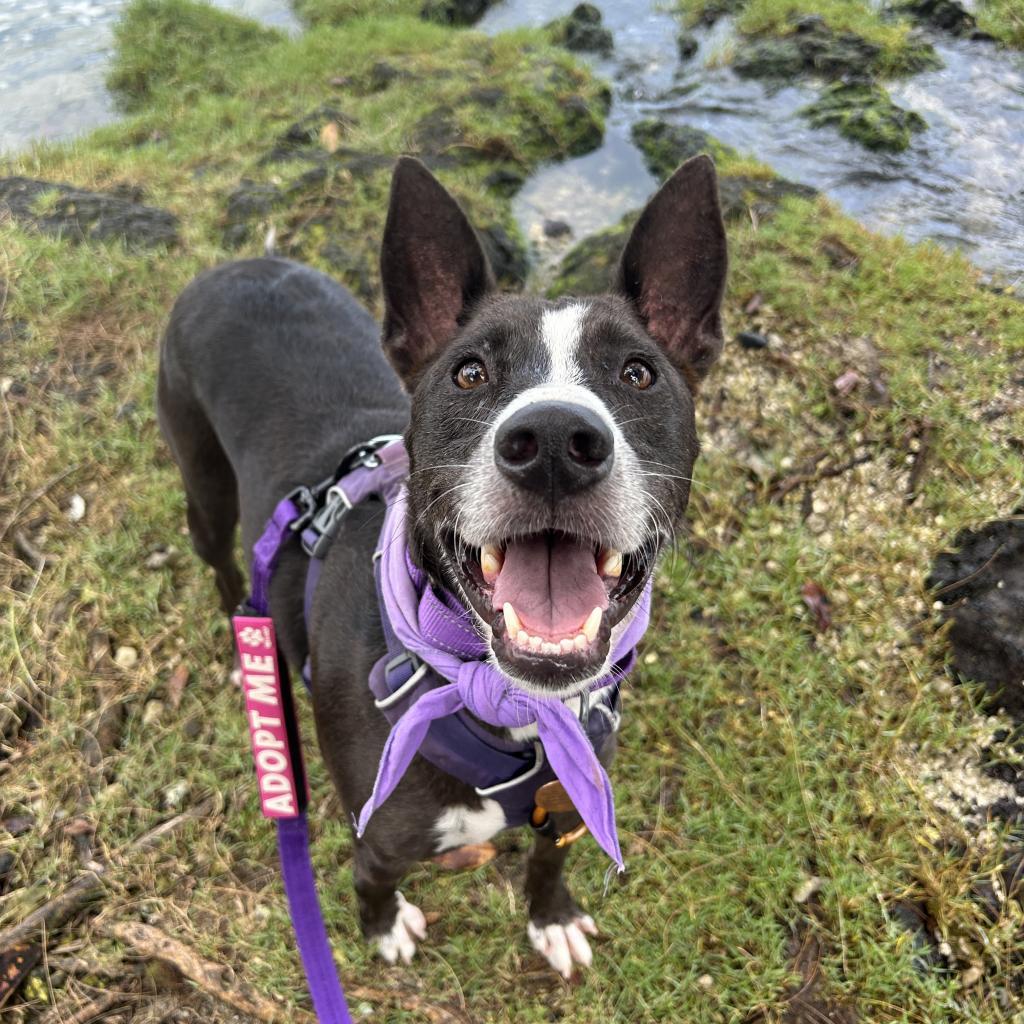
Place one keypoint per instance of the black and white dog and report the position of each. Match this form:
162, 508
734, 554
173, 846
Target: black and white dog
551, 448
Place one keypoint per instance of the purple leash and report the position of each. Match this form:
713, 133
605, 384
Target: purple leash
292, 830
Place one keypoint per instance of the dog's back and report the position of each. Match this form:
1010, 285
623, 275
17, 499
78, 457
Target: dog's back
268, 371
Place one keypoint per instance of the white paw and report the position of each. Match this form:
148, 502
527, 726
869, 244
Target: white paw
236, 678
564, 945
410, 925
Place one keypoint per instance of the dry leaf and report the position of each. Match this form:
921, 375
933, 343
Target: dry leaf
330, 136
817, 600
176, 686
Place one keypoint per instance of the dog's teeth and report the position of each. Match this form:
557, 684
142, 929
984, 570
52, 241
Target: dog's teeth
491, 561
592, 625
523, 638
610, 563
567, 645
550, 648
536, 643
580, 643
512, 623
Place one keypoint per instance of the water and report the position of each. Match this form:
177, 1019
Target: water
961, 182
53, 57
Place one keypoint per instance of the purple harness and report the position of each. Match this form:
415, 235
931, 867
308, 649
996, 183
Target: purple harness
433, 685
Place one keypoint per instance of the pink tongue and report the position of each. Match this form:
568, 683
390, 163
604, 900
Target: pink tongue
552, 584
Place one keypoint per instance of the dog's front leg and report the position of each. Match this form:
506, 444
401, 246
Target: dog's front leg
387, 918
557, 928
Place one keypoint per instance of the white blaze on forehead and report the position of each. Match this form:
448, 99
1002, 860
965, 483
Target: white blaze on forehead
561, 331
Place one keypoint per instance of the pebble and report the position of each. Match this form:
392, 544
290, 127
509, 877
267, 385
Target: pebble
556, 228
152, 712
752, 340
651, 658
174, 794
126, 657
706, 982
76, 508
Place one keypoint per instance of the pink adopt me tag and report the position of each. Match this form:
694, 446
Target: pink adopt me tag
261, 683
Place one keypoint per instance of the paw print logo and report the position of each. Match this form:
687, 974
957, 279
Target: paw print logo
255, 636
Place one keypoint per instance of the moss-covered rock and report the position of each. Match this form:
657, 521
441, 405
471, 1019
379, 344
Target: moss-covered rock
946, 15
589, 266
182, 46
581, 30
79, 214
812, 47
865, 113
665, 145
443, 12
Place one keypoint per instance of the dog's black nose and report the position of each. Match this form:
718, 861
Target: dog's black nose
554, 448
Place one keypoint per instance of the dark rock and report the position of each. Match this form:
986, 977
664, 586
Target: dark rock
981, 585
251, 202
947, 15
865, 113
382, 74
589, 266
812, 48
688, 45
18, 824
741, 195
588, 132
68, 212
752, 340
712, 10
437, 132
455, 12
507, 256
1006, 809
581, 30
556, 228
307, 181
302, 139
488, 97
6, 870
665, 146
351, 265
362, 165
505, 181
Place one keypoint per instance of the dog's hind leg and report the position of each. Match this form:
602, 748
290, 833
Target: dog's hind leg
211, 492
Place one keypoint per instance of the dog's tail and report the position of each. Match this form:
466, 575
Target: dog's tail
270, 242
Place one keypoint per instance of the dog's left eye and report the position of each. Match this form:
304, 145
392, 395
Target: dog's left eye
638, 374
471, 374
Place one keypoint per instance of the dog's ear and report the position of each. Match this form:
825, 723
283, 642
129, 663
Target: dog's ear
432, 269
674, 265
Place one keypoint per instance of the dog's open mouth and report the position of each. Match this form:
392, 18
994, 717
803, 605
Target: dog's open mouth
551, 601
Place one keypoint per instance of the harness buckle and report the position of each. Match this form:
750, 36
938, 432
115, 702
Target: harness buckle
304, 498
324, 524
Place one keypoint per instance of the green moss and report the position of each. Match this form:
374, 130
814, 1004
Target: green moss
665, 145
337, 12
1003, 20
866, 114
581, 30
851, 36
180, 45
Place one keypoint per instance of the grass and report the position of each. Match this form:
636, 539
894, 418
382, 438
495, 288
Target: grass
1003, 19
756, 752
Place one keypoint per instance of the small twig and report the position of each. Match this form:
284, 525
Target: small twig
921, 457
783, 487
32, 498
214, 979
219, 980
89, 884
86, 1014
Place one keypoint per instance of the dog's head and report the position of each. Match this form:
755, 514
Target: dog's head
551, 443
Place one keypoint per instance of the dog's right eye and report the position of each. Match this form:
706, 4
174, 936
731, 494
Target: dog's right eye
471, 374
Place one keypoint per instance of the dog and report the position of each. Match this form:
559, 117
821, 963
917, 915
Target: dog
551, 448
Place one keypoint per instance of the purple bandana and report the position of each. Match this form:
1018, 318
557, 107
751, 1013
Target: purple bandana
449, 642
